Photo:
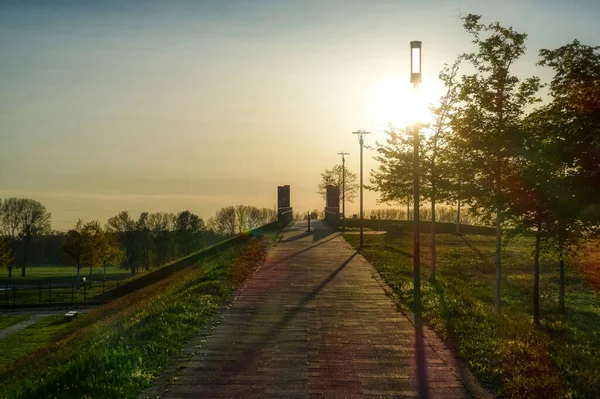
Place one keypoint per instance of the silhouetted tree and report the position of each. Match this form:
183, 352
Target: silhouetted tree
224, 221
334, 177
24, 220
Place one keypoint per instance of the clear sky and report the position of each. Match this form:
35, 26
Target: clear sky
174, 105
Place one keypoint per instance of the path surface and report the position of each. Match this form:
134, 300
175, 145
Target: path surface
314, 321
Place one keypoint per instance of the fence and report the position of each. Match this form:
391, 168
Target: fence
57, 294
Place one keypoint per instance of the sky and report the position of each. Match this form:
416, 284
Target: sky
173, 105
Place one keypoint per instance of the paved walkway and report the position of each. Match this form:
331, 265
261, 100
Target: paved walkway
314, 321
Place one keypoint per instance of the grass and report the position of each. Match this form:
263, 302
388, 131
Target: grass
118, 349
26, 340
506, 352
7, 321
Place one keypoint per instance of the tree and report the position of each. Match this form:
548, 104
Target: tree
159, 225
566, 133
82, 245
393, 179
486, 123
124, 226
143, 234
23, 220
109, 251
241, 212
6, 256
189, 229
224, 221
575, 113
334, 177
436, 153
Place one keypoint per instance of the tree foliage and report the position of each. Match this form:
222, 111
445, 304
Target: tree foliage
335, 177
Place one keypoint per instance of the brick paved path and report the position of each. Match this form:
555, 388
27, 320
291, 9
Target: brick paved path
314, 322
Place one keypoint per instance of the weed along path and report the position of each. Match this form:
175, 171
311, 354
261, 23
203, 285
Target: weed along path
314, 321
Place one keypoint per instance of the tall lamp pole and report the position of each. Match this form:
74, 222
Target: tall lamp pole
415, 79
361, 141
343, 154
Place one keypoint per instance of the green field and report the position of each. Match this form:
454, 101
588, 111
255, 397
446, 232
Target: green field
117, 350
58, 284
507, 353
47, 274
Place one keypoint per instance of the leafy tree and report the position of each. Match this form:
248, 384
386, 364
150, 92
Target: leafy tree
394, 178
83, 245
436, 155
189, 229
6, 256
574, 116
335, 177
486, 124
125, 227
109, 250
564, 144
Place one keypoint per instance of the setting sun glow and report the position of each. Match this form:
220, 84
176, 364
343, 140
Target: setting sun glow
395, 101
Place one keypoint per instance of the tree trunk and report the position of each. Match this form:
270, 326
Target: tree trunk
10, 271
90, 271
433, 253
25, 250
561, 295
104, 276
497, 261
458, 217
78, 279
536, 277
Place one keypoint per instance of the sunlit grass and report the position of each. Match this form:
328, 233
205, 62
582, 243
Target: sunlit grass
118, 349
28, 339
506, 352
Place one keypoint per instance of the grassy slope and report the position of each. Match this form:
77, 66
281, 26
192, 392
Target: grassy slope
118, 349
505, 352
28, 339
7, 321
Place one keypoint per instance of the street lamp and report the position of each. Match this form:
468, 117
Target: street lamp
361, 141
415, 79
343, 154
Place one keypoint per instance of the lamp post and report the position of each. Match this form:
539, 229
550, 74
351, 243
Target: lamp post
343, 154
415, 79
361, 141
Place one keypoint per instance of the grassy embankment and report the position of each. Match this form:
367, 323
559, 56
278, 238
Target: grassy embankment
117, 350
506, 352
7, 321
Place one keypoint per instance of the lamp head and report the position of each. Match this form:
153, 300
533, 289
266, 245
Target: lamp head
415, 62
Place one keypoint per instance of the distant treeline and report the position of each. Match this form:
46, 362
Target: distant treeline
151, 240
443, 213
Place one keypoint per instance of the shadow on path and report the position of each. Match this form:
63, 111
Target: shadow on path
265, 339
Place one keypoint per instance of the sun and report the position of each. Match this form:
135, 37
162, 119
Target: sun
395, 101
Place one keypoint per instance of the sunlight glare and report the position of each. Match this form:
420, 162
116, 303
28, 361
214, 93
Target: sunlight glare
395, 101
